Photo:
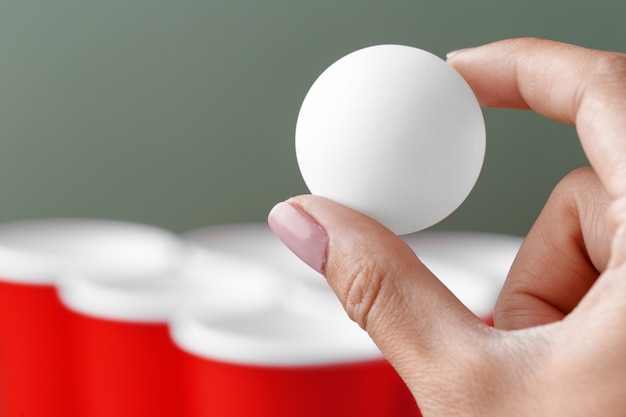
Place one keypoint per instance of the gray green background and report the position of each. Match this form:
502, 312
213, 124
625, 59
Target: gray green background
181, 113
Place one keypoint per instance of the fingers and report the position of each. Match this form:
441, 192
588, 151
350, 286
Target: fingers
561, 257
433, 341
415, 320
570, 84
564, 82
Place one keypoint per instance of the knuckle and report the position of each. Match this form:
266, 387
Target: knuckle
365, 282
583, 195
607, 80
579, 183
578, 189
490, 375
611, 64
584, 176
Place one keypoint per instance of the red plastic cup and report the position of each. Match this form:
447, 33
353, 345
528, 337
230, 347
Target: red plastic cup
226, 389
126, 363
343, 367
36, 369
301, 357
487, 253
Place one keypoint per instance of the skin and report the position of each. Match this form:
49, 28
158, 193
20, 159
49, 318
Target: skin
557, 348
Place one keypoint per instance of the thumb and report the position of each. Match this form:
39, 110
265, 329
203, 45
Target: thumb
420, 326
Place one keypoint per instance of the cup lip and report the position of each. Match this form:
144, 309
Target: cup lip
488, 256
201, 278
30, 254
204, 331
201, 233
227, 238
478, 292
254, 241
27, 268
471, 245
198, 332
115, 299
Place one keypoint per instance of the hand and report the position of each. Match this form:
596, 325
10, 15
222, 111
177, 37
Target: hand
558, 344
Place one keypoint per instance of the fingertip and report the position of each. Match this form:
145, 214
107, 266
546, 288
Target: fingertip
300, 233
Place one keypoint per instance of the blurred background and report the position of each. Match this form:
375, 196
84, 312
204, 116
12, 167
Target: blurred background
181, 114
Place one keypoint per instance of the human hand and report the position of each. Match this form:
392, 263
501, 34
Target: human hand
560, 322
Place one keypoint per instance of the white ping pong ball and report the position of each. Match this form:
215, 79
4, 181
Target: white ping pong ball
393, 132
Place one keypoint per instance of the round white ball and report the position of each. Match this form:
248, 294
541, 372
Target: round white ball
393, 132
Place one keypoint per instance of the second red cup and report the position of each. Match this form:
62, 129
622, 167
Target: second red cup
125, 362
301, 357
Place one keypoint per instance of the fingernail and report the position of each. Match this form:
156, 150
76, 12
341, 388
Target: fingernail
457, 52
300, 233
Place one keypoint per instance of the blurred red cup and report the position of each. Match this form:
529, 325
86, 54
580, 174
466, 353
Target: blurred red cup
33, 344
126, 363
302, 357
288, 358
36, 369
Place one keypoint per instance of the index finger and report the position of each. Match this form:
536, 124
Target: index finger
567, 83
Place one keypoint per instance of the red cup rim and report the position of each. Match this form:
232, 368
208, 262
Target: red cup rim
256, 242
272, 336
202, 278
487, 254
37, 251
